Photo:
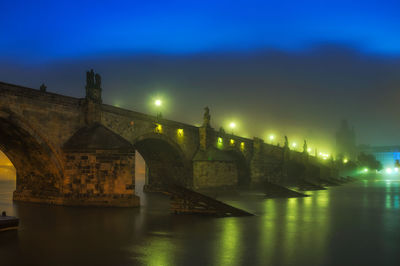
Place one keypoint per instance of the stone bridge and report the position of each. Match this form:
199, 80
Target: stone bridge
72, 151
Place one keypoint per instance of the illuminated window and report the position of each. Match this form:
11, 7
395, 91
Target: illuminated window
220, 140
232, 141
180, 132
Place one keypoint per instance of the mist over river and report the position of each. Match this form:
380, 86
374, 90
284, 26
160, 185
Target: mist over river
353, 224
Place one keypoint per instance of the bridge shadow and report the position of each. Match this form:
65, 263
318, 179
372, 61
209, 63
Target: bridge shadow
38, 171
164, 162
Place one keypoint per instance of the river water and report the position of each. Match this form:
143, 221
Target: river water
354, 224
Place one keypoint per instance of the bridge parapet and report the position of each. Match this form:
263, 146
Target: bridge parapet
191, 156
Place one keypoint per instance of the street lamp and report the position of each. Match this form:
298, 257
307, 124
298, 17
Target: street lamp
294, 144
232, 125
158, 104
271, 138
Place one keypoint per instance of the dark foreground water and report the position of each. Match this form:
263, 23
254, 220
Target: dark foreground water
355, 224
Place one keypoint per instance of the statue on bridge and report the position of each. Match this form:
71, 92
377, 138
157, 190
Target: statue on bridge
305, 149
43, 88
206, 117
286, 145
93, 87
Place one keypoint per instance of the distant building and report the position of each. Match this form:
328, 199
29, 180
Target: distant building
346, 141
387, 155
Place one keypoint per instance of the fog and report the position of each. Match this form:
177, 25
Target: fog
303, 95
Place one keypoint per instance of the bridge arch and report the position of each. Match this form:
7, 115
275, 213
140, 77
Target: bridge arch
38, 169
165, 160
242, 166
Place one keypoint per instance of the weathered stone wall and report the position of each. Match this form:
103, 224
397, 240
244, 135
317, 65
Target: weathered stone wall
135, 126
214, 174
33, 127
103, 178
267, 164
52, 116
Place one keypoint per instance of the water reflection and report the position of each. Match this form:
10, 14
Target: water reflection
157, 250
227, 251
356, 224
392, 195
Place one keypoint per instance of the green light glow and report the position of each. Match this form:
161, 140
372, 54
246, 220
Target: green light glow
365, 170
228, 252
158, 102
220, 140
345, 160
157, 251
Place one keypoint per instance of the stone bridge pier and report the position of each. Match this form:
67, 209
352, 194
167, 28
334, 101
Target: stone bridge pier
81, 151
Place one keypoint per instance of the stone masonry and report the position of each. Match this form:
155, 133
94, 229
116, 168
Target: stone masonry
72, 151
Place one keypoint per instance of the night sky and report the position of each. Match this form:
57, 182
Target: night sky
282, 67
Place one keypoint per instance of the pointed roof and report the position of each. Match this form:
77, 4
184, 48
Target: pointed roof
97, 137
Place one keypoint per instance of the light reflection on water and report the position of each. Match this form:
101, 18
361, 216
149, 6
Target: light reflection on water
355, 224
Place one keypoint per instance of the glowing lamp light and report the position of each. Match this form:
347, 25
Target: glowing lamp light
345, 160
220, 140
232, 125
180, 132
365, 170
158, 128
389, 170
396, 169
158, 102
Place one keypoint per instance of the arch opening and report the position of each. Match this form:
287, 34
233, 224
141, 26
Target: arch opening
7, 169
36, 168
164, 164
243, 169
7, 182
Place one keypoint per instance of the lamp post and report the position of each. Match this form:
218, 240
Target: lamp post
271, 138
294, 145
232, 125
158, 104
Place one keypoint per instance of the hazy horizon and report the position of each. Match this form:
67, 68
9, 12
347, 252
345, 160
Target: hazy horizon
282, 68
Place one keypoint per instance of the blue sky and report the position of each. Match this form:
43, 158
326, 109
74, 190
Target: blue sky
44, 30
295, 68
